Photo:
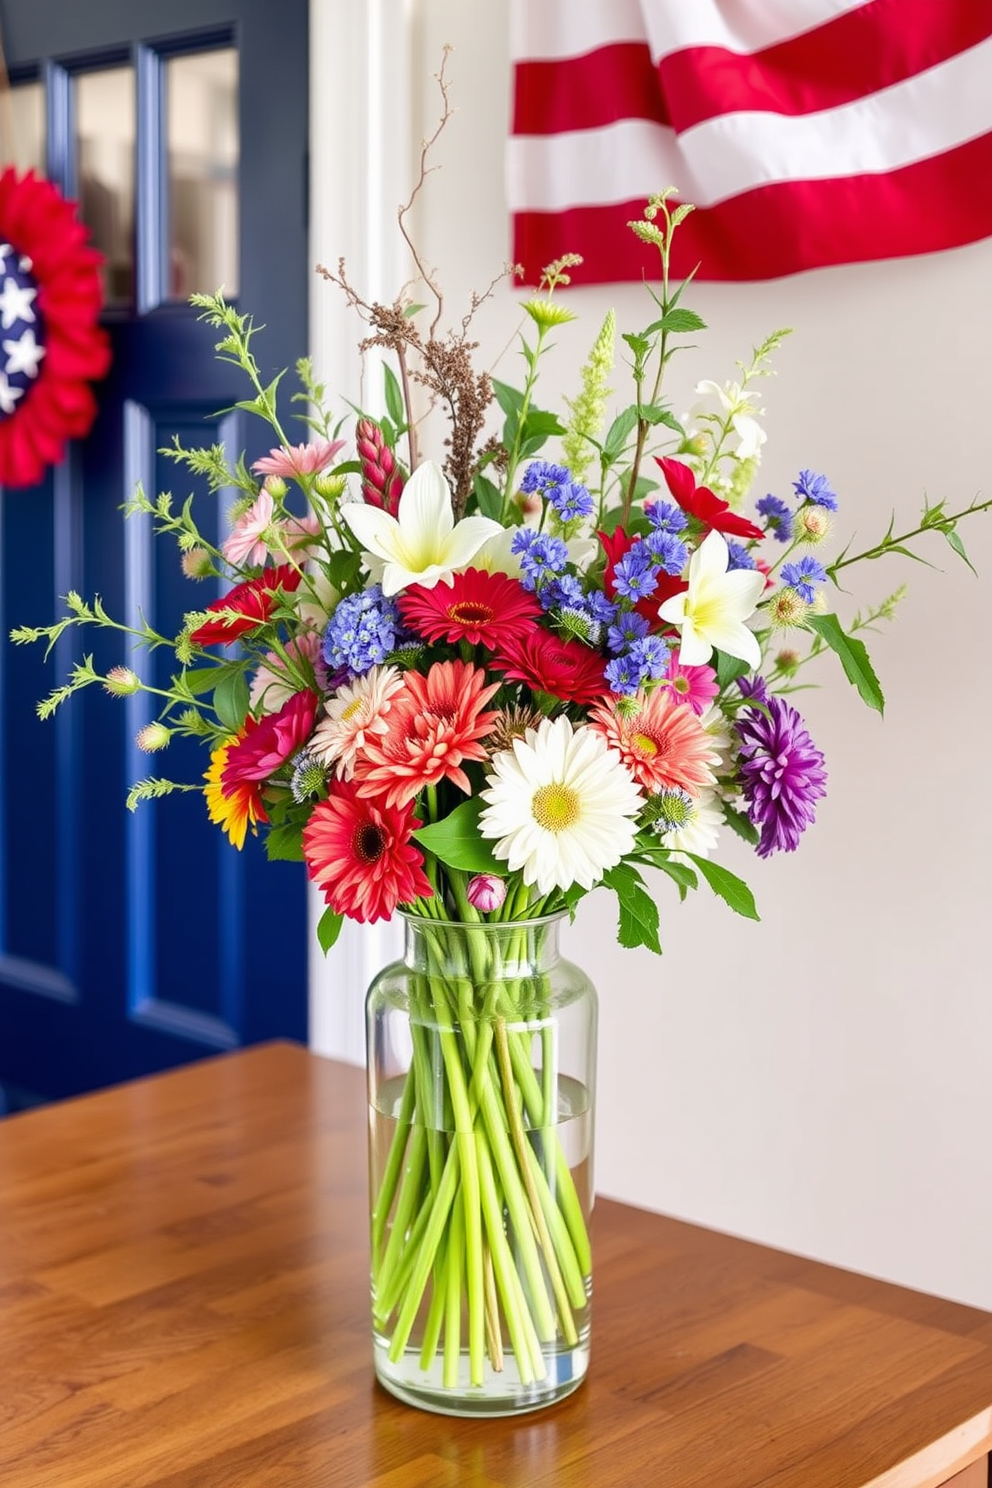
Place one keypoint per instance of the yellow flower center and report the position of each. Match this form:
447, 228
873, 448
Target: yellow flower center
354, 707
643, 744
555, 807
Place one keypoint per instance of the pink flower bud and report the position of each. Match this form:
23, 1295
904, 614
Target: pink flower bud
486, 892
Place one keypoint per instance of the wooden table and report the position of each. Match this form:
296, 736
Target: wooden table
183, 1303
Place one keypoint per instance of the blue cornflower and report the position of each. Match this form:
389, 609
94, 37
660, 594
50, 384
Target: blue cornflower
361, 632
601, 608
815, 488
669, 551
624, 675
541, 557
803, 575
560, 592
629, 627
651, 656
664, 516
738, 556
634, 577
541, 476
778, 517
570, 502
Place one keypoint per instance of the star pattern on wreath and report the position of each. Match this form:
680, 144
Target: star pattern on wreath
23, 344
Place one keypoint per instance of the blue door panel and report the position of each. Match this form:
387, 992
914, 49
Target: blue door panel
130, 942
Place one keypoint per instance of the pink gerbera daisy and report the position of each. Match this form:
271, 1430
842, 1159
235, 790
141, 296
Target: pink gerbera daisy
485, 609
695, 685
434, 723
298, 459
268, 742
662, 744
359, 853
356, 715
247, 540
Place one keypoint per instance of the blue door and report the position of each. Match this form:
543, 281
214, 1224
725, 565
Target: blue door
133, 942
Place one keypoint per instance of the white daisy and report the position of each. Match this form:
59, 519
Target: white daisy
560, 805
355, 712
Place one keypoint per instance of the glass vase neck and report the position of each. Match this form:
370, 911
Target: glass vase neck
510, 949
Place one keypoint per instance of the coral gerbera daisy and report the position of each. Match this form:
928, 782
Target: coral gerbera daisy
561, 806
434, 724
359, 853
485, 609
661, 743
355, 715
564, 669
52, 346
236, 809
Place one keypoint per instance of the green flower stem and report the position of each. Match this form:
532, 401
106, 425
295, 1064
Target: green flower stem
523, 1339
494, 1335
436, 1311
440, 1209
451, 1293
402, 1219
394, 1165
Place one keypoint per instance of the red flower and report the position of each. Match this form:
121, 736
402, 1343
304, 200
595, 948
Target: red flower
546, 663
700, 502
615, 545
482, 608
255, 599
359, 853
433, 724
59, 345
268, 742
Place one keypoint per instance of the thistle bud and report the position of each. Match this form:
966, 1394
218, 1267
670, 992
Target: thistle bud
486, 892
382, 480
812, 524
120, 681
152, 737
787, 608
197, 564
330, 487
276, 486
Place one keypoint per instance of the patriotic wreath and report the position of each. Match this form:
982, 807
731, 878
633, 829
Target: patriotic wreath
51, 346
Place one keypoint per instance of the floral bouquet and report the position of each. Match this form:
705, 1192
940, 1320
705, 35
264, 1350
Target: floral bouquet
475, 689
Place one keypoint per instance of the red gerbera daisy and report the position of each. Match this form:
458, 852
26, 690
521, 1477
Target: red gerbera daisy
268, 742
52, 344
546, 663
700, 502
359, 853
485, 609
255, 600
434, 724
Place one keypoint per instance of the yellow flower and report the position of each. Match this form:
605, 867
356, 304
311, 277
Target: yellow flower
232, 812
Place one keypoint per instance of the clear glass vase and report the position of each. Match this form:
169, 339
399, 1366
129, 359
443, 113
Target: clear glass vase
481, 1067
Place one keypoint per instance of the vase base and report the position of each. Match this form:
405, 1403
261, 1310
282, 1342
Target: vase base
500, 1394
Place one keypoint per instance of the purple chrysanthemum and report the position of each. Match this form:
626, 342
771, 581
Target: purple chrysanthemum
782, 771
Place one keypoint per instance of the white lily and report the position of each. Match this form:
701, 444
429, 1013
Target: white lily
738, 404
712, 611
422, 544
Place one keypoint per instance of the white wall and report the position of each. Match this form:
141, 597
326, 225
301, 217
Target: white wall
819, 1081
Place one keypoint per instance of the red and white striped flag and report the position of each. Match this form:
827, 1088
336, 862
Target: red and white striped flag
806, 132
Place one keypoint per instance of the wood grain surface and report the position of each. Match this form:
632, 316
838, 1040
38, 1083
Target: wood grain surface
184, 1304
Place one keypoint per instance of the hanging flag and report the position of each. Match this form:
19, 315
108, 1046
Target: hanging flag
806, 132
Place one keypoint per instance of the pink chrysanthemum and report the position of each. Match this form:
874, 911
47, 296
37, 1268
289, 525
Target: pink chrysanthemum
359, 853
434, 724
298, 459
485, 609
268, 742
356, 715
246, 543
695, 685
662, 744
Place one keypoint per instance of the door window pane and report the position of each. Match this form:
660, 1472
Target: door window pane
203, 150
105, 114
27, 105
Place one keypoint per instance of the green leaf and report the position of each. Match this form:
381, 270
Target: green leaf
853, 657
455, 840
741, 824
510, 399
285, 844
201, 680
639, 345
680, 872
728, 669
651, 413
638, 911
394, 397
342, 568
727, 886
952, 537
487, 497
328, 929
681, 322
540, 422
231, 699
619, 432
